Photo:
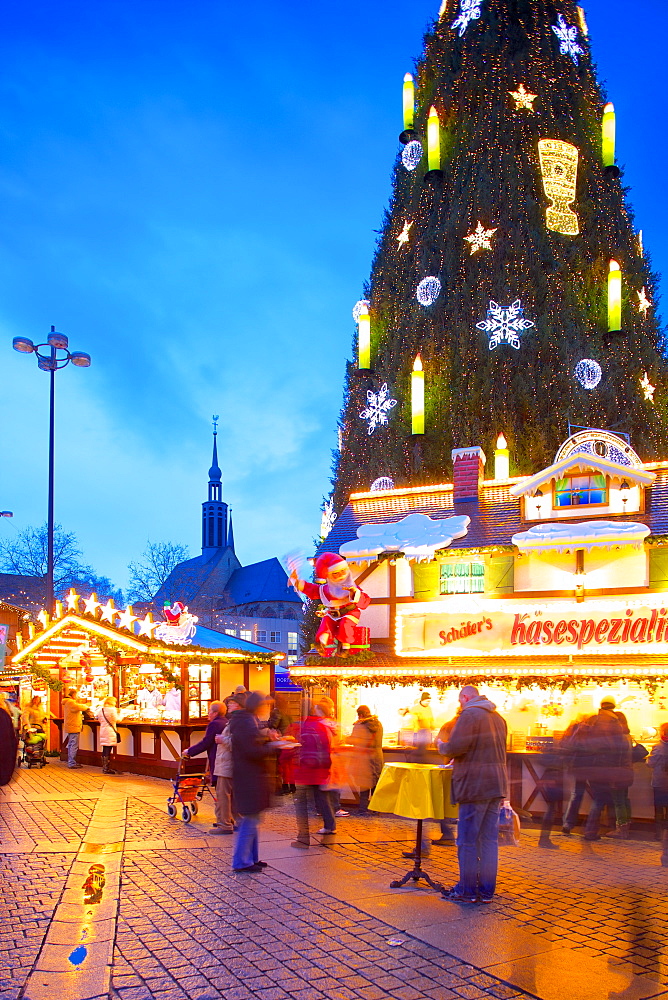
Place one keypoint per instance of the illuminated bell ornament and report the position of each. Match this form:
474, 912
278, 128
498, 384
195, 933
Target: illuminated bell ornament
559, 167
523, 99
469, 10
588, 373
378, 406
411, 154
647, 388
428, 291
480, 238
567, 35
505, 325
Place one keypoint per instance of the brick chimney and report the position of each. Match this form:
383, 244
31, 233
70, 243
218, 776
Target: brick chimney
468, 466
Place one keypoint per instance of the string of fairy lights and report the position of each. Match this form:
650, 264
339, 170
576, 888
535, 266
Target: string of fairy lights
535, 118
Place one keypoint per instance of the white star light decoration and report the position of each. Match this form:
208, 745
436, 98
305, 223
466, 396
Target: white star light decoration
647, 387
328, 518
469, 10
567, 36
505, 325
643, 302
377, 408
480, 238
403, 235
523, 99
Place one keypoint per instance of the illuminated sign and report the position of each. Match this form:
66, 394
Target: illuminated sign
485, 628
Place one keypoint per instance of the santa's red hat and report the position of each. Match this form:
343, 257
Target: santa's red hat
326, 562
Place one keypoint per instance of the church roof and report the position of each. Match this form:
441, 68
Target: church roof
261, 581
202, 575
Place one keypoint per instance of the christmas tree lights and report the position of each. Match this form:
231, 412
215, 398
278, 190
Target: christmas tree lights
523, 99
469, 10
377, 409
417, 397
505, 325
480, 238
614, 298
567, 35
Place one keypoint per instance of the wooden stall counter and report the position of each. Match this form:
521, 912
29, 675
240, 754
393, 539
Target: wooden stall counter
146, 747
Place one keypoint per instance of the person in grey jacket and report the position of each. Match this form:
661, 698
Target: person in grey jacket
477, 745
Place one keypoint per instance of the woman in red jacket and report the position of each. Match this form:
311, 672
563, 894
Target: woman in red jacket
310, 772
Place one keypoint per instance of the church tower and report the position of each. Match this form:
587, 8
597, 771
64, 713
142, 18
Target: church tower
214, 510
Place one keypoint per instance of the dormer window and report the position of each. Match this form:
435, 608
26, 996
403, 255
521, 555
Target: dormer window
581, 491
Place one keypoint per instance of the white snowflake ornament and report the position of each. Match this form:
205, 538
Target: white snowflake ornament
567, 36
378, 405
469, 10
505, 325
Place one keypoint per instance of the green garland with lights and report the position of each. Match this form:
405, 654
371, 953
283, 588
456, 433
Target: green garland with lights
44, 674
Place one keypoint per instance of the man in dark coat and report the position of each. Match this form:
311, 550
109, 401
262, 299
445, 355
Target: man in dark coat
8, 742
217, 722
477, 745
250, 780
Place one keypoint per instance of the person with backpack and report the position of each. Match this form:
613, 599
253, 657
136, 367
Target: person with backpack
311, 771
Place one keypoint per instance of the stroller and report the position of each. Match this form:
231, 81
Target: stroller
190, 782
33, 745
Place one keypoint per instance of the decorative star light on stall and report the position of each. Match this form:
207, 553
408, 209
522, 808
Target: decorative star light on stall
378, 406
588, 373
523, 99
328, 518
359, 308
647, 387
567, 35
469, 10
428, 290
403, 235
643, 302
505, 325
411, 154
480, 238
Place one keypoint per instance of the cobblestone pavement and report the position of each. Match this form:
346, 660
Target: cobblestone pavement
585, 921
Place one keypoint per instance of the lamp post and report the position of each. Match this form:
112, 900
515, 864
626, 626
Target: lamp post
58, 357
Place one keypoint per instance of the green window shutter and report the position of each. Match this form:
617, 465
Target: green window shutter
658, 568
500, 577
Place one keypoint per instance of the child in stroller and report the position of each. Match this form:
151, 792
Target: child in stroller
33, 740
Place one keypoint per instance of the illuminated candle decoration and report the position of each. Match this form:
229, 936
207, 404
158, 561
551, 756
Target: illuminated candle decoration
409, 101
364, 339
417, 397
559, 167
411, 154
428, 290
403, 235
614, 298
433, 140
584, 27
359, 308
647, 387
523, 99
501, 459
640, 244
608, 135
588, 373
480, 238
643, 302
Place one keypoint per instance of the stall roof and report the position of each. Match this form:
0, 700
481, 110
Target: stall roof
209, 638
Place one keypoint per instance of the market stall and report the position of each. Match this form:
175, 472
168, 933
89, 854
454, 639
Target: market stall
164, 676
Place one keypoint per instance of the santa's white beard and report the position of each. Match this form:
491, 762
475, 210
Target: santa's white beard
342, 587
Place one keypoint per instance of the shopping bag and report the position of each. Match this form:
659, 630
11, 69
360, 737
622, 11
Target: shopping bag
509, 825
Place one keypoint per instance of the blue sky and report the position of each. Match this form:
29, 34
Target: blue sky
190, 192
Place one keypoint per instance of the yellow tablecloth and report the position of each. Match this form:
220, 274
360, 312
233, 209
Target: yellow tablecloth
415, 791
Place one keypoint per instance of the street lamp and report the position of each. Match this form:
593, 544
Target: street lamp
58, 357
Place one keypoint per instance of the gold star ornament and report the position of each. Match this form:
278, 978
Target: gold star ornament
523, 99
480, 238
643, 302
647, 387
403, 235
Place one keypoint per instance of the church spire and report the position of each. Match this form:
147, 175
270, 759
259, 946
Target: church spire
214, 511
230, 535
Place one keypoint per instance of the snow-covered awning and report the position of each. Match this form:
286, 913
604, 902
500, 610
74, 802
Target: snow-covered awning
417, 536
564, 537
581, 462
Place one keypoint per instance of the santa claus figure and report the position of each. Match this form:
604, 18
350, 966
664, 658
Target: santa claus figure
341, 599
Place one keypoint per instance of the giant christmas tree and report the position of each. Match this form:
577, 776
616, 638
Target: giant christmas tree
500, 261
